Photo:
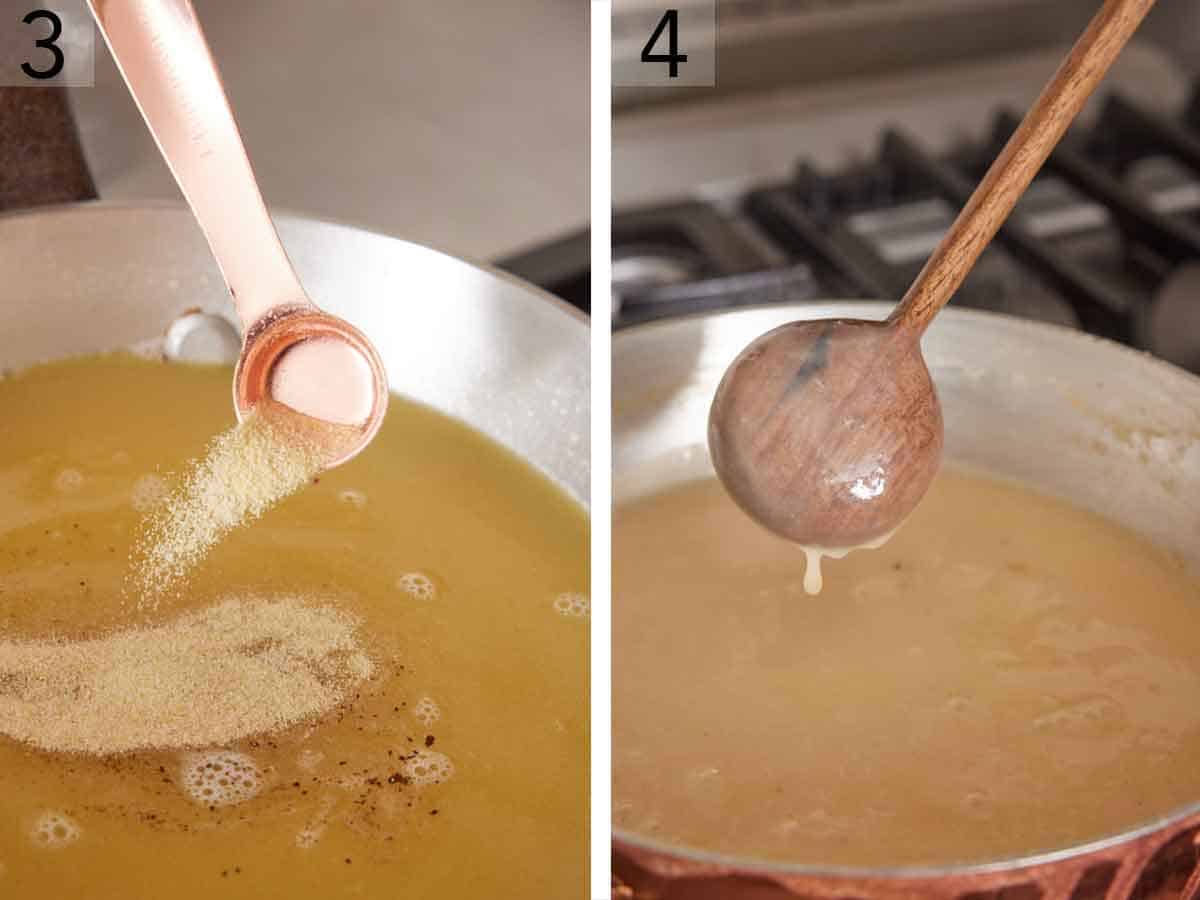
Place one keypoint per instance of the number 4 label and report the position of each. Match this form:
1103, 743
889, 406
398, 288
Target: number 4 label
672, 48
670, 23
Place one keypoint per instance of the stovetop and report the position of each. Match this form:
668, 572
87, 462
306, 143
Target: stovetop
1107, 238
841, 189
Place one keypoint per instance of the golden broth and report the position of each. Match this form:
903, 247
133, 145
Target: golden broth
336, 817
1007, 675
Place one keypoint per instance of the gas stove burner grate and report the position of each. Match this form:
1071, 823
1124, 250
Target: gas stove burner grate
1107, 238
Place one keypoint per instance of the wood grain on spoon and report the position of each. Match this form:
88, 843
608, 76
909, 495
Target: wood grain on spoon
830, 432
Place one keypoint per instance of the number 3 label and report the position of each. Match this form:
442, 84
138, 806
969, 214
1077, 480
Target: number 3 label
47, 43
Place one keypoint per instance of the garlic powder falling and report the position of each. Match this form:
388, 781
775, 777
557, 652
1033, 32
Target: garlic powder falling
246, 471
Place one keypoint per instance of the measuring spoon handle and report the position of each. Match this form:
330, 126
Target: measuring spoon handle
160, 49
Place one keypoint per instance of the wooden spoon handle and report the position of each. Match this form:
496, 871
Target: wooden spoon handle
1015, 167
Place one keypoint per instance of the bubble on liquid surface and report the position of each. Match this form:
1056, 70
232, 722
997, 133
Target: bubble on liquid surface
957, 703
356, 499
976, 803
308, 759
54, 829
220, 778
68, 480
429, 767
573, 605
148, 492
426, 711
308, 836
417, 585
1083, 717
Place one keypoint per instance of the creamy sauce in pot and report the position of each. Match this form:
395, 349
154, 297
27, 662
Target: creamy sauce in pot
1007, 675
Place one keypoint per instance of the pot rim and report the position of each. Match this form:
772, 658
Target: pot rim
879, 309
640, 846
287, 214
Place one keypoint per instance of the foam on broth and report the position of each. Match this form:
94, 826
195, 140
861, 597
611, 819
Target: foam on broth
460, 761
1006, 675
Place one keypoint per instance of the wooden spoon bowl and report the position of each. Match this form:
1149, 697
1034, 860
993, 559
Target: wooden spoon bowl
797, 434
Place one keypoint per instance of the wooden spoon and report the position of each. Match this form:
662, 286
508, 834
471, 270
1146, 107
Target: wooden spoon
829, 432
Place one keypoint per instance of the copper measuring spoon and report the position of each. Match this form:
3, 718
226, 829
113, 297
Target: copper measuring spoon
293, 353
829, 432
